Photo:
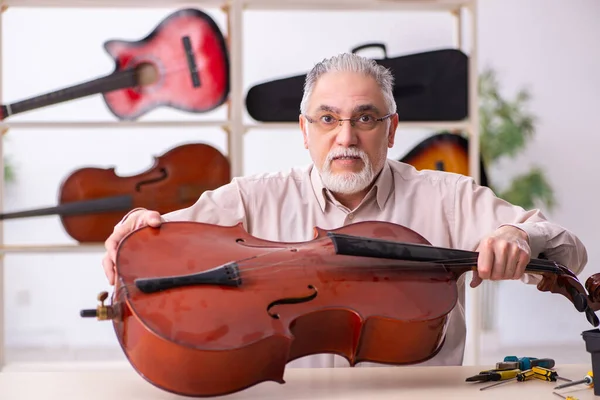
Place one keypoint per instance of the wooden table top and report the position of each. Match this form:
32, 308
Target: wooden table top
379, 383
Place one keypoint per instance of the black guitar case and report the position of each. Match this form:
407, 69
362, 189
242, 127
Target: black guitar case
429, 86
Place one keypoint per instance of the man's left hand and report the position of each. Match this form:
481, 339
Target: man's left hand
502, 255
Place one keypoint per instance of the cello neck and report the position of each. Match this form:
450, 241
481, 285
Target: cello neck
462, 260
141, 75
107, 204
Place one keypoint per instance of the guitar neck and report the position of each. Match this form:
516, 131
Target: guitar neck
108, 204
114, 81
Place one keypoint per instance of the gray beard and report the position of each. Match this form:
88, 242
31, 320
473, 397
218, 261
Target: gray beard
347, 182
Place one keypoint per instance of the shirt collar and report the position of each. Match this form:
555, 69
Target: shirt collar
383, 186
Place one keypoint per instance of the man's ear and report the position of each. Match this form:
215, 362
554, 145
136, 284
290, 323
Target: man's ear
392, 130
304, 129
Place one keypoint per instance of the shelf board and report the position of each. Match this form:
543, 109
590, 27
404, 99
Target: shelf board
109, 124
336, 5
407, 5
53, 248
114, 3
222, 124
437, 125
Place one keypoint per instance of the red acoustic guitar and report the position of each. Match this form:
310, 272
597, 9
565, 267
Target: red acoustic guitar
183, 63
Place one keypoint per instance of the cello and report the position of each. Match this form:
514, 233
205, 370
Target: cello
205, 310
92, 200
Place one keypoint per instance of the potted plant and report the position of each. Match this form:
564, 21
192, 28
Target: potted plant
506, 127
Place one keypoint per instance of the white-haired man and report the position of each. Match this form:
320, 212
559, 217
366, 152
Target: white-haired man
348, 120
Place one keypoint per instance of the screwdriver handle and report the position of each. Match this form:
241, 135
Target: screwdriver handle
526, 363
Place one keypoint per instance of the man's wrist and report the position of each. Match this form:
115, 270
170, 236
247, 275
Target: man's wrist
519, 231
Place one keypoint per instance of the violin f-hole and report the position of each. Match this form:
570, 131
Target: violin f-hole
292, 300
162, 177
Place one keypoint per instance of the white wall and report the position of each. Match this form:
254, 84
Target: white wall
547, 45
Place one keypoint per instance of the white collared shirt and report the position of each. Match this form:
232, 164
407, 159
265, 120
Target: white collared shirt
447, 209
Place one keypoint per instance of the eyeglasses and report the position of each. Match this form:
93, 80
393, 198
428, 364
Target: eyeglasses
365, 122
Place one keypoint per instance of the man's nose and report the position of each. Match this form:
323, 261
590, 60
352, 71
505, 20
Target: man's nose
346, 134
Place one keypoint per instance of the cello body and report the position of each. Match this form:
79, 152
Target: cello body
205, 310
210, 340
93, 200
175, 180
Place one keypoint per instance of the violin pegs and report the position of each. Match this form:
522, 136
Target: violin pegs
592, 317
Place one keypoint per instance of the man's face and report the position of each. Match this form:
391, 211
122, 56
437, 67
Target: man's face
348, 157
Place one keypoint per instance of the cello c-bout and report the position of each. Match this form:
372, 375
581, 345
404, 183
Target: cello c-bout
204, 310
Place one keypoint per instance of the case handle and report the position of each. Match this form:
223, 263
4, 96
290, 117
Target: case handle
368, 45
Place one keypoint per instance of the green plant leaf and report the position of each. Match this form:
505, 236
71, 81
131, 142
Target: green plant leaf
529, 190
505, 128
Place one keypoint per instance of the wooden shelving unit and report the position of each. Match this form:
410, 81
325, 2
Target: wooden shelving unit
234, 126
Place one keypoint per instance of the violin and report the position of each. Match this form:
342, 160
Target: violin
206, 310
93, 200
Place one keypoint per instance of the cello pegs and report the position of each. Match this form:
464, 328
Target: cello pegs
102, 312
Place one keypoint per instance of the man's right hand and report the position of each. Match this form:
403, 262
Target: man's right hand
135, 220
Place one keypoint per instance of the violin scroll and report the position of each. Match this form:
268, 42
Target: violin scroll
565, 282
592, 285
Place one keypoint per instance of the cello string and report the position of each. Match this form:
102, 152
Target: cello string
252, 266
394, 266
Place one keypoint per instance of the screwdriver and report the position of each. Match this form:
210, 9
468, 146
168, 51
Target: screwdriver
493, 375
565, 397
548, 375
588, 380
521, 377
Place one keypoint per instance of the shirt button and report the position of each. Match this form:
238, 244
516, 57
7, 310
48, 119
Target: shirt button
350, 216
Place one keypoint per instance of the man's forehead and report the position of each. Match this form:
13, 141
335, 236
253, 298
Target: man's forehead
363, 107
344, 92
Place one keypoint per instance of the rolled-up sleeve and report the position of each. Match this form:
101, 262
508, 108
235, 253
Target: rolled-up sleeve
478, 212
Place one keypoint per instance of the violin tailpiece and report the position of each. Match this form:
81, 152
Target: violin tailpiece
223, 275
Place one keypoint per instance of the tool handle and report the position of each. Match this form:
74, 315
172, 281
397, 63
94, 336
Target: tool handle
543, 362
526, 363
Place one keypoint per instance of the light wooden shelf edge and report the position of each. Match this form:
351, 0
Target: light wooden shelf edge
108, 124
275, 5
4, 127
450, 125
114, 3
352, 5
53, 248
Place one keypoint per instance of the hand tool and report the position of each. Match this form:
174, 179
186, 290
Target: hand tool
548, 374
524, 363
493, 375
520, 377
588, 380
565, 397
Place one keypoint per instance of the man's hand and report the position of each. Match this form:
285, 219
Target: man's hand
135, 220
502, 255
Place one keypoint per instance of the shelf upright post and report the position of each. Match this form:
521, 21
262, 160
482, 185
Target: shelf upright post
3, 7
458, 32
236, 97
477, 295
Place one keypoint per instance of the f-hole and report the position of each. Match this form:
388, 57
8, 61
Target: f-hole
163, 176
292, 300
